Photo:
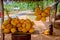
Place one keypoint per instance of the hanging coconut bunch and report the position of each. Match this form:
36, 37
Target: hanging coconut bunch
21, 25
42, 14
14, 25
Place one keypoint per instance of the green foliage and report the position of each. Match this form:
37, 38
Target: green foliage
28, 5
58, 7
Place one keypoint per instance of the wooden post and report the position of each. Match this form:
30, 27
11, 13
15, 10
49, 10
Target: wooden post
2, 18
55, 12
51, 26
55, 8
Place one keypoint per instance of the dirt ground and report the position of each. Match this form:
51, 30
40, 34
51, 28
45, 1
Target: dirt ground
40, 26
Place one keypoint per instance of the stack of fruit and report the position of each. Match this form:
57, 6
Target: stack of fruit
14, 25
42, 14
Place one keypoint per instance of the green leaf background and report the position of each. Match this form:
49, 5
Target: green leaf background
28, 5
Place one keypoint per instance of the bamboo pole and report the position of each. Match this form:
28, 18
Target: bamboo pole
2, 18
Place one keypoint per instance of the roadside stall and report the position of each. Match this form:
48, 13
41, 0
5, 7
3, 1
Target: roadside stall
22, 27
